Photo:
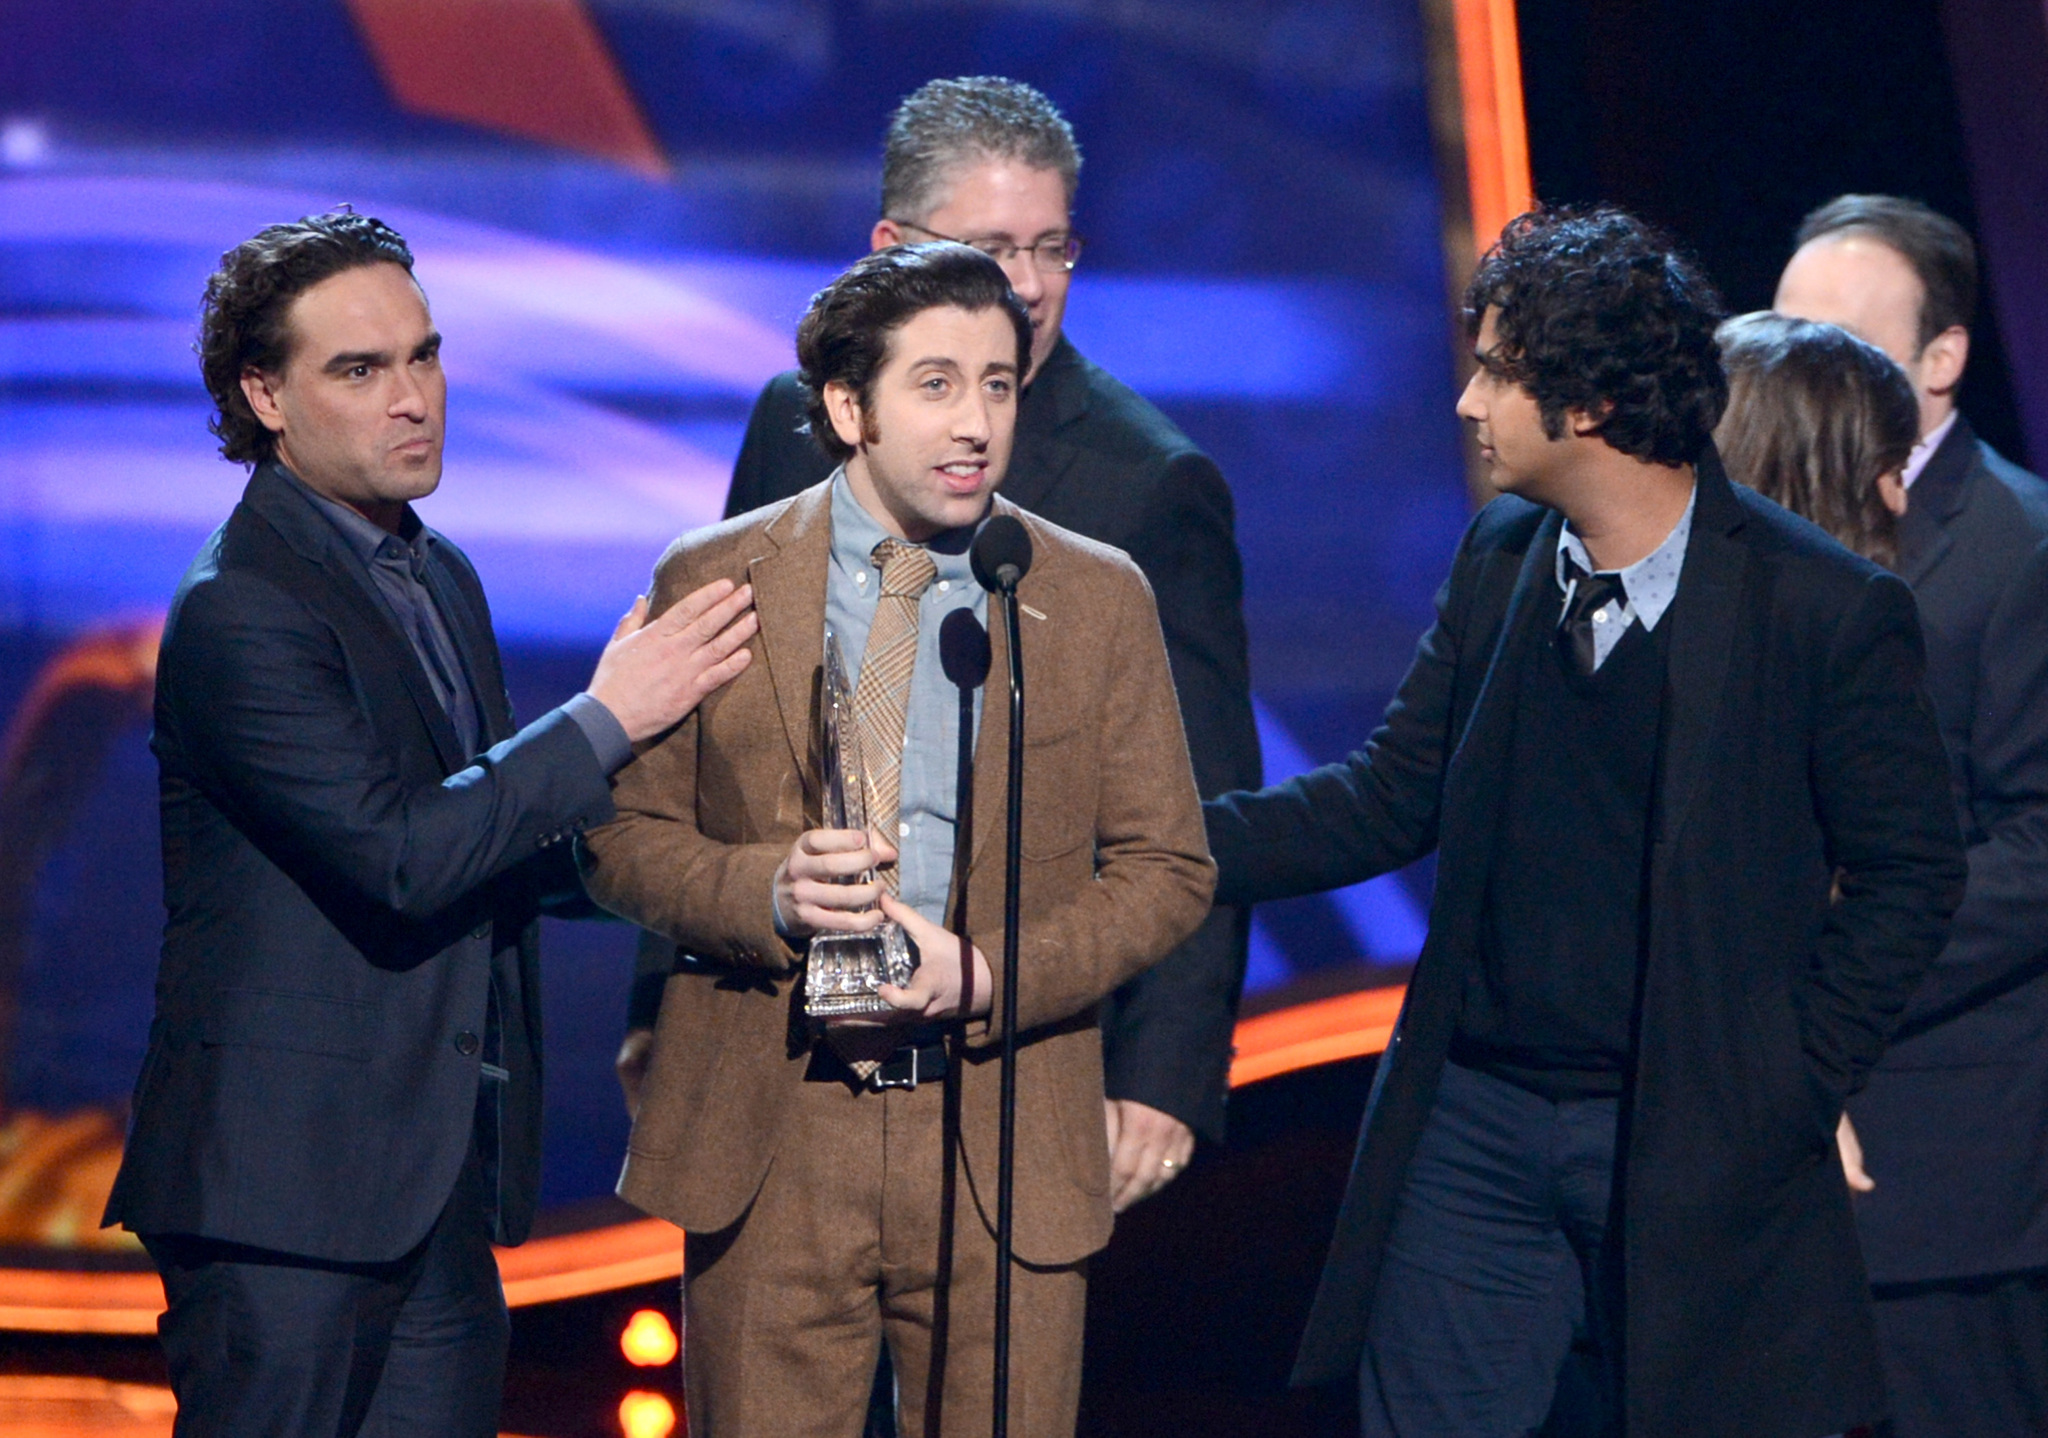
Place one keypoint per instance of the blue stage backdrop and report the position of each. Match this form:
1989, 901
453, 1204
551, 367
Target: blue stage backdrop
1264, 261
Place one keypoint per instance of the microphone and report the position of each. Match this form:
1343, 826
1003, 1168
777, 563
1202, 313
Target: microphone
1002, 554
964, 651
965, 655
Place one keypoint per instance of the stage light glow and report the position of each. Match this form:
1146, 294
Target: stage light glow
646, 1415
649, 1340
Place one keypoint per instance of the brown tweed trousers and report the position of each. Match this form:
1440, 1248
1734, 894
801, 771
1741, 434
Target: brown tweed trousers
1115, 873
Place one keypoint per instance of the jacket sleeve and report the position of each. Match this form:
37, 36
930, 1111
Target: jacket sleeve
1153, 877
2000, 936
655, 866
263, 706
1166, 1034
1881, 789
1366, 814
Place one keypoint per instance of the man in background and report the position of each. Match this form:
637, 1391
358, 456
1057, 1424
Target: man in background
992, 163
340, 1109
1948, 1146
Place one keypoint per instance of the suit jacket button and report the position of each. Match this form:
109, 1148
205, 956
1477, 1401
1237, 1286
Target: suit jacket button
481, 931
467, 1043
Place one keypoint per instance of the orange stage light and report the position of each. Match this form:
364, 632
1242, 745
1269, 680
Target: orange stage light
649, 1341
1496, 133
1326, 1031
600, 1260
646, 1415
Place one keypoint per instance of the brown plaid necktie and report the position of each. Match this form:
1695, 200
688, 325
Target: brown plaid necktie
881, 710
881, 698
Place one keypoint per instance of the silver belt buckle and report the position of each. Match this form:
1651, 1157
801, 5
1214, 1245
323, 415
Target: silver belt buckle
881, 1082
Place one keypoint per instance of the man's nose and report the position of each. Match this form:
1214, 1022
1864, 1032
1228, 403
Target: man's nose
1468, 401
1025, 278
409, 395
973, 423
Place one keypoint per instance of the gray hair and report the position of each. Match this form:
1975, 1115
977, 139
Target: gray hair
949, 123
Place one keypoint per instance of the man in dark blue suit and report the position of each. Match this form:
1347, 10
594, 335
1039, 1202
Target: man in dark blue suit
339, 1111
1695, 850
1953, 1128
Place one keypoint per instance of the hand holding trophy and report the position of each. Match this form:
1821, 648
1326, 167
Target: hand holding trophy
845, 971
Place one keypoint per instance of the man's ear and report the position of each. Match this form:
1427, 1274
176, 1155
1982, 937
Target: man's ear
1891, 489
884, 234
842, 407
1587, 422
260, 390
1943, 359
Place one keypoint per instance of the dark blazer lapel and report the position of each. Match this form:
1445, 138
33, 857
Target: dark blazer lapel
1703, 621
1483, 745
789, 597
1936, 497
308, 531
1471, 803
474, 646
1057, 397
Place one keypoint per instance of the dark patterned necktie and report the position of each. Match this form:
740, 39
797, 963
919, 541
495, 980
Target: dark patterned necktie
1590, 594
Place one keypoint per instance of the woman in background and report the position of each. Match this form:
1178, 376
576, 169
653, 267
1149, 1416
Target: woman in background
1821, 422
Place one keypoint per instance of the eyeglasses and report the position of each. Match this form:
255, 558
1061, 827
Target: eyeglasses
1054, 255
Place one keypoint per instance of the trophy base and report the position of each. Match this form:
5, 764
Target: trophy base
844, 970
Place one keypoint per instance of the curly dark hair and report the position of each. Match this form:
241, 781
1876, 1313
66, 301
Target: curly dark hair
1599, 313
242, 319
844, 335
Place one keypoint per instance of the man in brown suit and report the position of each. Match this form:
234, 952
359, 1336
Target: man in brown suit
810, 1169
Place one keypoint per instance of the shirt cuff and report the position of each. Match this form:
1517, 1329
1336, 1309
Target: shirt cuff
606, 734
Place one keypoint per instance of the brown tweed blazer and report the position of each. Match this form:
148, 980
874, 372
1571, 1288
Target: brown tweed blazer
1116, 872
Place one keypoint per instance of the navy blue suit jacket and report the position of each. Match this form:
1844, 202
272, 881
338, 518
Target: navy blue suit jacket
341, 883
1952, 1121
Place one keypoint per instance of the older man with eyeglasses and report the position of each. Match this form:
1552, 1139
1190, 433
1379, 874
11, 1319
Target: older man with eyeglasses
991, 163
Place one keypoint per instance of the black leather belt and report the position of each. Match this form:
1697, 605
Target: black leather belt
907, 1066
910, 1066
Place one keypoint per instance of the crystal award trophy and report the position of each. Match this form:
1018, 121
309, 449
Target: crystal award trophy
844, 970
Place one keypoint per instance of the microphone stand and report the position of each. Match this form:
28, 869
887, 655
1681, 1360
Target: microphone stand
964, 655
1006, 1142
1002, 557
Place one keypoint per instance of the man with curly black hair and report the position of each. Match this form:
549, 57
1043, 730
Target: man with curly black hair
1694, 850
339, 1112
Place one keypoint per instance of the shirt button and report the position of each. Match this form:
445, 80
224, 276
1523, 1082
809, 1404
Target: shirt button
903, 831
466, 1043
944, 585
1599, 616
860, 576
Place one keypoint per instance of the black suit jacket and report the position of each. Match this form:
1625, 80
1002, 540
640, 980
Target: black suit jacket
341, 881
1952, 1122
1094, 457
1797, 745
